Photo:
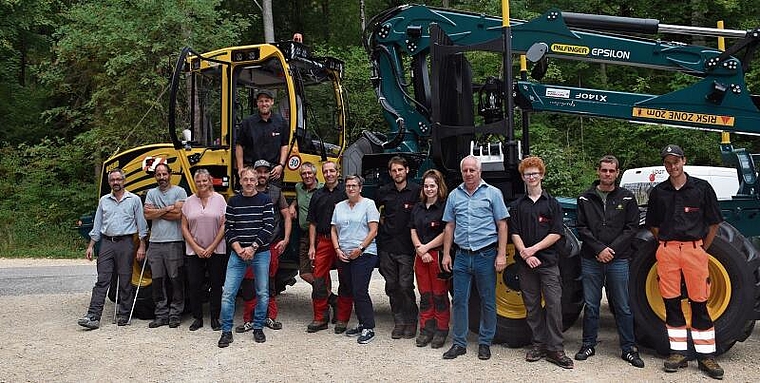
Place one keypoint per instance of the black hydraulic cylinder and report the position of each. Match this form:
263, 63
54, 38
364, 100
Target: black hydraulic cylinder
610, 23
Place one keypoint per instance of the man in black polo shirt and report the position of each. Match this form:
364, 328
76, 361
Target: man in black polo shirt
396, 252
322, 252
684, 215
536, 225
263, 135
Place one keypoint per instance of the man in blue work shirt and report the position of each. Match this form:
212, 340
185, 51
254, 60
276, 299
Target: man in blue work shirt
476, 221
118, 218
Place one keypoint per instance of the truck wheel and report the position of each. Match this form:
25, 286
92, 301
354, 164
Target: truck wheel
733, 267
511, 327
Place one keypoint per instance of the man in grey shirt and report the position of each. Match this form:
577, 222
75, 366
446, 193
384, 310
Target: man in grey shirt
118, 218
163, 205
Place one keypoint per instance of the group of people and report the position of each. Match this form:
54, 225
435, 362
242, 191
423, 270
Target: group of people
443, 240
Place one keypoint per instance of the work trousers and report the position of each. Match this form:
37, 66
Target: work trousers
167, 264
434, 295
398, 271
545, 322
113, 257
689, 258
216, 267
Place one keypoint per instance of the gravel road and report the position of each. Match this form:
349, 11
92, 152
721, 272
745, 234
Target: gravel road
42, 342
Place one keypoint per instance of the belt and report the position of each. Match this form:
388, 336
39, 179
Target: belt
482, 249
681, 243
115, 237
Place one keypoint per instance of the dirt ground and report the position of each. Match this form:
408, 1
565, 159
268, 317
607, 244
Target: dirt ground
42, 343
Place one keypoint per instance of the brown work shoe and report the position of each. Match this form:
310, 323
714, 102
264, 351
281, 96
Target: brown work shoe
559, 358
398, 331
410, 331
316, 326
711, 367
674, 362
534, 354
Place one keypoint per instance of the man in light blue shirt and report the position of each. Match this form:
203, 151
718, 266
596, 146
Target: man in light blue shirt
476, 221
163, 206
118, 218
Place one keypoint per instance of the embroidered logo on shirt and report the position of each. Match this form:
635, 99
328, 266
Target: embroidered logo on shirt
689, 209
435, 224
275, 134
408, 205
542, 219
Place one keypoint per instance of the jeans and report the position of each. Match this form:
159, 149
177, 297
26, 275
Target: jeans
614, 276
235, 272
478, 265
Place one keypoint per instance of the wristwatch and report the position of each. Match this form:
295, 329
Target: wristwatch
362, 248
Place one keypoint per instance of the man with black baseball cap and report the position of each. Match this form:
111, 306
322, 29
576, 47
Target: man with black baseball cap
263, 135
684, 215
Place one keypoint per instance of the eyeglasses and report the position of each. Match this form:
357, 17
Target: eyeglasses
351, 186
531, 175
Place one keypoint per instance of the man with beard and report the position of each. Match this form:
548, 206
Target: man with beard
118, 218
323, 253
263, 135
280, 238
163, 205
608, 217
396, 252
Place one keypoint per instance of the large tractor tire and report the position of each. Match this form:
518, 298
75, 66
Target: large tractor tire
511, 326
734, 267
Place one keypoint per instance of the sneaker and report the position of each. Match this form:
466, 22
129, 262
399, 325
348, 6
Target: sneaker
316, 326
674, 362
367, 335
225, 340
258, 335
245, 327
273, 324
585, 352
633, 358
560, 359
340, 327
534, 354
711, 367
356, 331
158, 323
89, 322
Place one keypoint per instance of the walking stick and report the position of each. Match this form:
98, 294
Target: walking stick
137, 291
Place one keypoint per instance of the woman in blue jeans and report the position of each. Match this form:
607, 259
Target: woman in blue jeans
354, 227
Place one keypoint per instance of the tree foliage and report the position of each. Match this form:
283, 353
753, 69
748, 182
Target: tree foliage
84, 78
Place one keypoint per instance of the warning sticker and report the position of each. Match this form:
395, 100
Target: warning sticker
674, 115
570, 49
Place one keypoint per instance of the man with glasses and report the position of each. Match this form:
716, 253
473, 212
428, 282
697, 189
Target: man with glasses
118, 218
536, 224
608, 217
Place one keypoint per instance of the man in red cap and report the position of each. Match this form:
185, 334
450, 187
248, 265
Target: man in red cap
684, 215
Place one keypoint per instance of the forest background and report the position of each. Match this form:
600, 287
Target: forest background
81, 80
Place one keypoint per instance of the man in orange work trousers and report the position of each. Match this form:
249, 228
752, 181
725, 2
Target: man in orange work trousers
684, 215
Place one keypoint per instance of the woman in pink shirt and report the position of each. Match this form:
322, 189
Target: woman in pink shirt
203, 229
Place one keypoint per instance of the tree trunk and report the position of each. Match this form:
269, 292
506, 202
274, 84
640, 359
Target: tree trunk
268, 21
361, 14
